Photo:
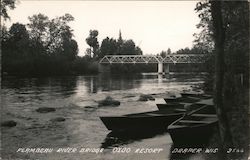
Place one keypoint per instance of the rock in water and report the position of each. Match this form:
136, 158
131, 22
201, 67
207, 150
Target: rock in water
9, 123
146, 97
108, 101
58, 119
45, 109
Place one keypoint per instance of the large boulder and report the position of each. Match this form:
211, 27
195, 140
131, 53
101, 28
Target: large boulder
45, 109
9, 123
108, 101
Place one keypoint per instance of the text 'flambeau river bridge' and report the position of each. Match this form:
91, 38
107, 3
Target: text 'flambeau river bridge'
168, 59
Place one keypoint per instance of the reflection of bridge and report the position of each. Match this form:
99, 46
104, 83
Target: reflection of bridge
171, 58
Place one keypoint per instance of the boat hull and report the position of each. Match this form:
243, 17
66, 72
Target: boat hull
169, 105
140, 123
197, 95
194, 135
182, 100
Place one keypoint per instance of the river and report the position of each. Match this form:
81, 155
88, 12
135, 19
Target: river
75, 99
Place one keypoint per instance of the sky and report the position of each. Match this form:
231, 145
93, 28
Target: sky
154, 26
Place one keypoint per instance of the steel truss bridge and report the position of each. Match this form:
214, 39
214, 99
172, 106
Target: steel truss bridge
169, 59
172, 58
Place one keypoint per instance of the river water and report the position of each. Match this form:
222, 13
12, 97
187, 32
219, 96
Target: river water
75, 99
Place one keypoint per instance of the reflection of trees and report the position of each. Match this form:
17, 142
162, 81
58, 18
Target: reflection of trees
66, 85
36, 86
91, 83
107, 82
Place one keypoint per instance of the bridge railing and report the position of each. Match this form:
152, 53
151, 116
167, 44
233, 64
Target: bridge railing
171, 58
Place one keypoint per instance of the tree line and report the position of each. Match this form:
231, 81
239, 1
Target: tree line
47, 47
43, 46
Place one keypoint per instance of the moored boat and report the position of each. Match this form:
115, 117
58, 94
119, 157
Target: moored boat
196, 95
180, 107
139, 122
177, 106
185, 99
194, 128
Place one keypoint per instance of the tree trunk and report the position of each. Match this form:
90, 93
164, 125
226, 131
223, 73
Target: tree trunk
219, 36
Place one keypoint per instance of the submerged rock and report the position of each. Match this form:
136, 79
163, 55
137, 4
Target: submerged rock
90, 107
58, 119
108, 101
154, 94
129, 96
146, 97
9, 123
45, 109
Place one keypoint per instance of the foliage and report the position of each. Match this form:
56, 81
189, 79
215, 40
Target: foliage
85, 65
111, 46
193, 50
138, 51
235, 23
165, 53
93, 42
169, 51
128, 48
46, 47
5, 5
204, 39
133, 68
15, 48
51, 34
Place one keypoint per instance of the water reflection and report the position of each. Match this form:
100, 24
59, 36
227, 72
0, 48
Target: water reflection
160, 78
64, 86
107, 82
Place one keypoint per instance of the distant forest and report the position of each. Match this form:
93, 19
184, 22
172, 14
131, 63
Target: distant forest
46, 46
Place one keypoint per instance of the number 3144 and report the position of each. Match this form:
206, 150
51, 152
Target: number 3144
235, 150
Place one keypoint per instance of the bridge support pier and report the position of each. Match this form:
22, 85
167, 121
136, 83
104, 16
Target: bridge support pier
163, 68
160, 68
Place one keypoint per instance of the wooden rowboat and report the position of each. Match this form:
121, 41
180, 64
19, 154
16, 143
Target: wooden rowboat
193, 128
176, 106
139, 122
179, 107
196, 95
185, 99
